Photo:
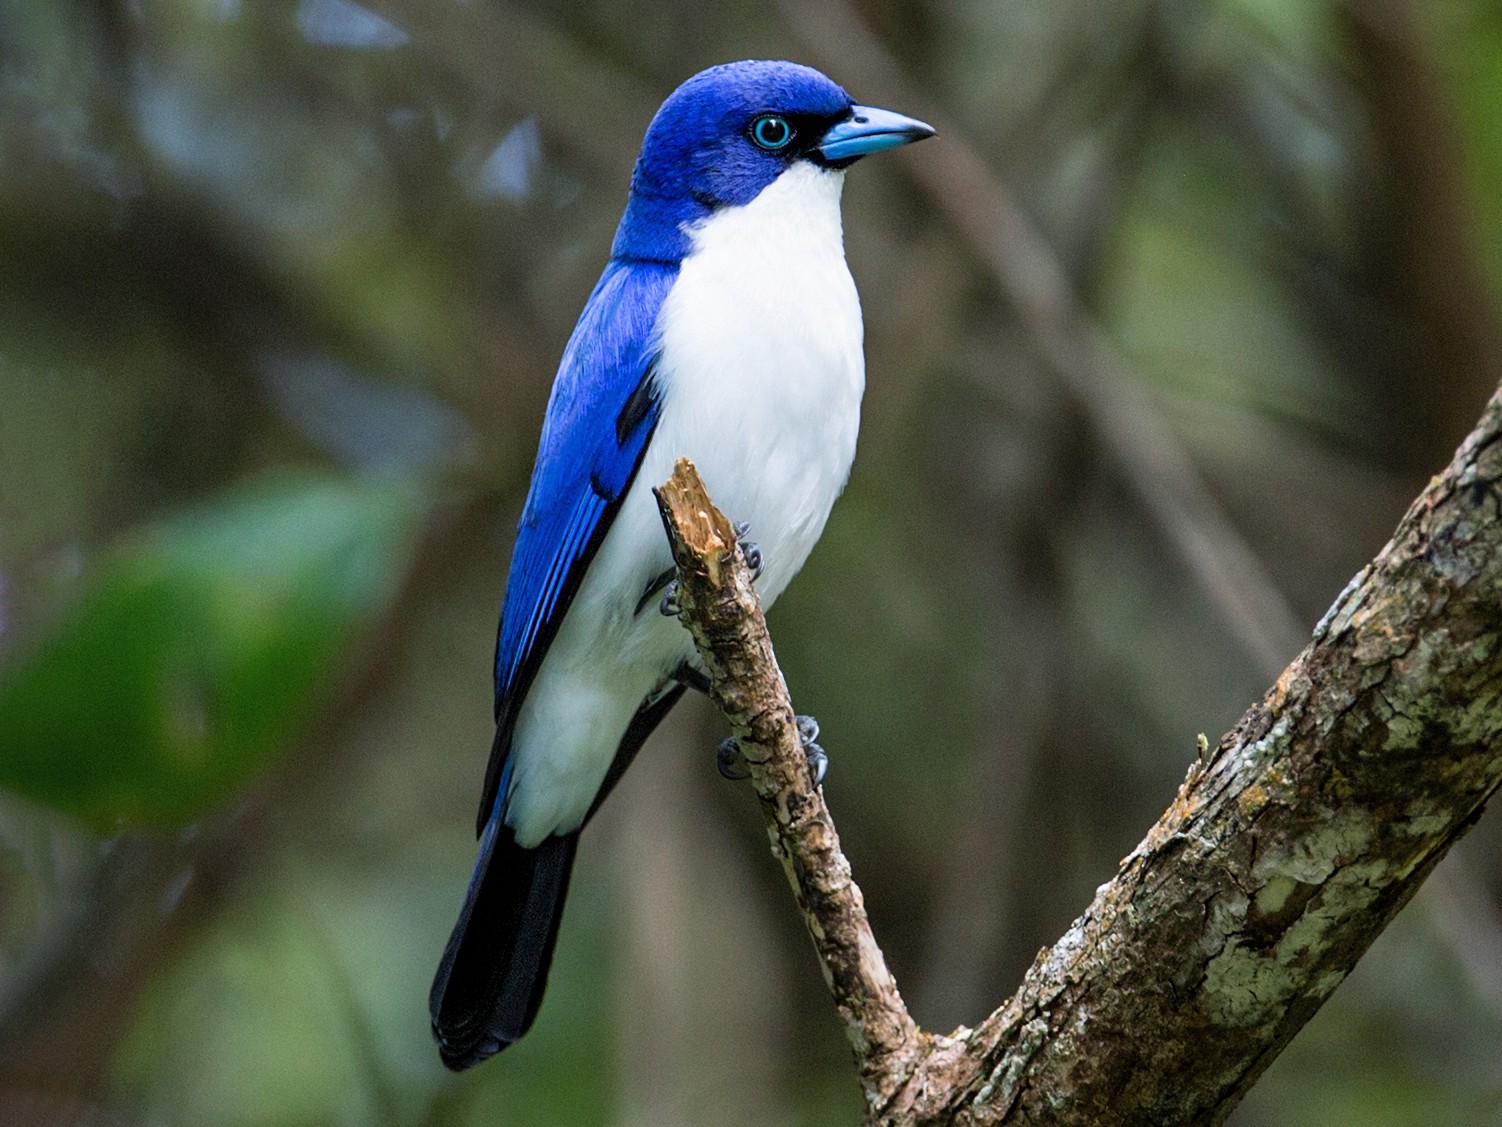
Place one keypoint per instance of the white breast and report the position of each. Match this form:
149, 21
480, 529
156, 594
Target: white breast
761, 375
762, 369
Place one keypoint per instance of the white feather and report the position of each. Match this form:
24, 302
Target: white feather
761, 376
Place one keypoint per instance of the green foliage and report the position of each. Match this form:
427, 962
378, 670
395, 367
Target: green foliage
304, 1003
199, 648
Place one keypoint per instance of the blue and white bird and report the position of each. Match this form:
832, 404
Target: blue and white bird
726, 329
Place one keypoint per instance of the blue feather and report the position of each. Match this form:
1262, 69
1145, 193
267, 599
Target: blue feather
717, 143
601, 414
694, 158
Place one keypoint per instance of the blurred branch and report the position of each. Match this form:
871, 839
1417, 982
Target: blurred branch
1288, 849
502, 50
959, 184
1465, 913
1435, 358
1017, 546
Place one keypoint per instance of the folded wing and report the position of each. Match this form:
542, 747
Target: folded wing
602, 412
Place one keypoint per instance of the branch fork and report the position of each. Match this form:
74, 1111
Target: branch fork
1290, 846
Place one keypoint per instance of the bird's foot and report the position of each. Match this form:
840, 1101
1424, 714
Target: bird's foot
750, 550
732, 763
808, 732
669, 604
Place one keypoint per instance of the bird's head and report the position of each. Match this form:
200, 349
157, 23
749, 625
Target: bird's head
730, 131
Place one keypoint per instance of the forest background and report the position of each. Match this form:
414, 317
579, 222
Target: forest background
282, 289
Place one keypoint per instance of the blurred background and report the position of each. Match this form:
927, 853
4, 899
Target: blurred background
1164, 332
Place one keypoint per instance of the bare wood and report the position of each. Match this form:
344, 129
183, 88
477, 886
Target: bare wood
1288, 849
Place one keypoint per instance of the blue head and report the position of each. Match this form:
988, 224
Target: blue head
731, 130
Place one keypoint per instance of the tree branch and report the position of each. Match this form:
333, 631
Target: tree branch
720, 607
1288, 849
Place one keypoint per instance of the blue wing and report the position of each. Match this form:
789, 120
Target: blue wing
602, 411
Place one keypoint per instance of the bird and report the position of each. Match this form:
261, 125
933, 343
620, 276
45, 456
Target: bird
725, 328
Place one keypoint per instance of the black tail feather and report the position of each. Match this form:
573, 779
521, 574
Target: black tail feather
490, 982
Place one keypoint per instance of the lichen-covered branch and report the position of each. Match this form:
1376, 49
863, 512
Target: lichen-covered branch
1288, 849
1290, 846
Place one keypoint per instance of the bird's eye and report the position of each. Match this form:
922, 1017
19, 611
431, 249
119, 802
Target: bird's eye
772, 132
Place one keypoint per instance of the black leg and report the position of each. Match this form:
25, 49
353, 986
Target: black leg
691, 678
667, 582
658, 583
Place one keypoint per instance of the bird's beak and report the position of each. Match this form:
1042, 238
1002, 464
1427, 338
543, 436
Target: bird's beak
869, 130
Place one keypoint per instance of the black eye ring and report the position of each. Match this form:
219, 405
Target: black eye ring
772, 132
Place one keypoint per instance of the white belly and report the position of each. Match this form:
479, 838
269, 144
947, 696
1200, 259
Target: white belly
761, 376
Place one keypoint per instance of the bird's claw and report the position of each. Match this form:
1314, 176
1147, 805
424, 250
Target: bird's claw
808, 732
669, 604
729, 760
731, 763
750, 550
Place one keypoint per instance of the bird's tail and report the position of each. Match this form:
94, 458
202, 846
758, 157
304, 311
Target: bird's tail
490, 982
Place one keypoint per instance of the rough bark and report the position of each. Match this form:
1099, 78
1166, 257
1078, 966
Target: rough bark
720, 607
1289, 847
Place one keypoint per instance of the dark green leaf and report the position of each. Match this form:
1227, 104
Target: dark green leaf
200, 648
